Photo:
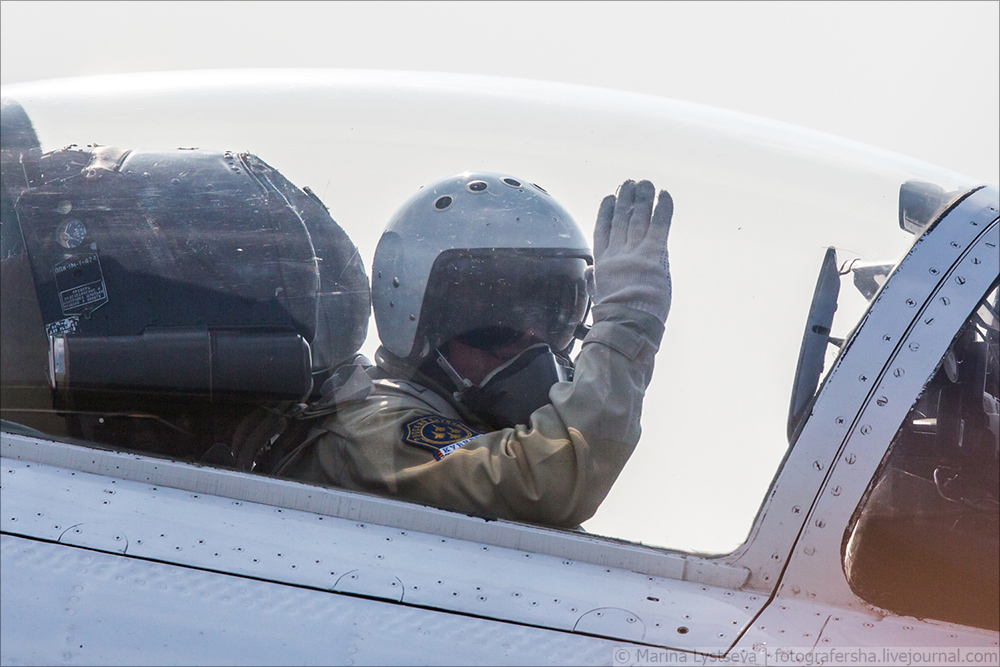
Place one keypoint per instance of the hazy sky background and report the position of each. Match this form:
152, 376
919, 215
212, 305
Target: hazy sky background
918, 78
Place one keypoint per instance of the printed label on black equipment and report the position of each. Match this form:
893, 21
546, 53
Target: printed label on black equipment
80, 282
70, 325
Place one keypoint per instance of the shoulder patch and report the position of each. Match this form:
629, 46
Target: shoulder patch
437, 434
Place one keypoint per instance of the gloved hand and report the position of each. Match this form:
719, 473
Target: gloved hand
630, 249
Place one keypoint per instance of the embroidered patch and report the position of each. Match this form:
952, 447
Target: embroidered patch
437, 434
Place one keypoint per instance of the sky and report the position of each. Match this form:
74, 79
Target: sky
918, 78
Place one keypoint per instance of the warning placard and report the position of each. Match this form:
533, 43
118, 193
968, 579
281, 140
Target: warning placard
81, 284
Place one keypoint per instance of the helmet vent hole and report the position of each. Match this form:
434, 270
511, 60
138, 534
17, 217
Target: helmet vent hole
512, 182
443, 202
477, 186
540, 188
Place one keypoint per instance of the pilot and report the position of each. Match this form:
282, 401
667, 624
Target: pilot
480, 283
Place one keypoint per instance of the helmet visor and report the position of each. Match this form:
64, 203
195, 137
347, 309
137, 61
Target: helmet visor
491, 297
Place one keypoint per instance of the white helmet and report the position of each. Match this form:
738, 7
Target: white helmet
480, 255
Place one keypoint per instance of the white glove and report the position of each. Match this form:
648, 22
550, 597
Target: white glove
631, 267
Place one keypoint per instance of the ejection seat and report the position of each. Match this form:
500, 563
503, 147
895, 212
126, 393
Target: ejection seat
155, 300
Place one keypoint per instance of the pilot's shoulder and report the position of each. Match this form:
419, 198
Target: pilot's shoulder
400, 393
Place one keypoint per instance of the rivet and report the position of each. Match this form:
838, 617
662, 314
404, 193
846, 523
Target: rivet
796, 510
866, 429
835, 491
960, 280
840, 420
911, 303
817, 465
882, 401
899, 372
850, 459
914, 347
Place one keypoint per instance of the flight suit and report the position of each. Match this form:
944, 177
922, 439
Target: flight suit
403, 440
